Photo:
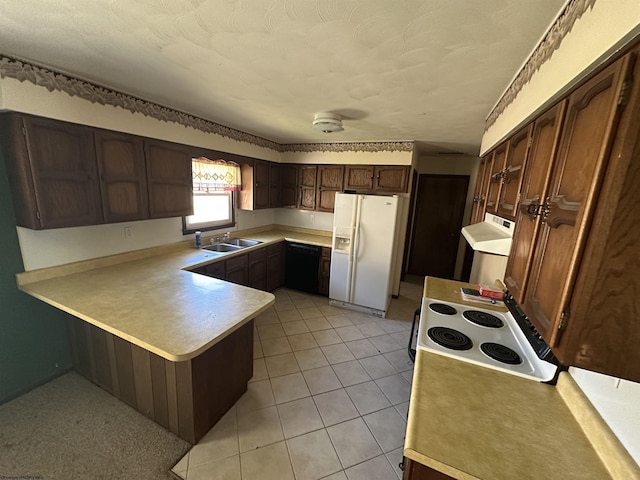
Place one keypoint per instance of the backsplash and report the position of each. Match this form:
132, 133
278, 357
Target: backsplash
49, 248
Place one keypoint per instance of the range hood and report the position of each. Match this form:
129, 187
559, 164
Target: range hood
491, 236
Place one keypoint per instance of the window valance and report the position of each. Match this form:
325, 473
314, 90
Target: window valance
214, 175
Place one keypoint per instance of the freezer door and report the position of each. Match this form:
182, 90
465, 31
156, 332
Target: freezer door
344, 218
373, 251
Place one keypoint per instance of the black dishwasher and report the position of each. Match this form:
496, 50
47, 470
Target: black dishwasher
301, 267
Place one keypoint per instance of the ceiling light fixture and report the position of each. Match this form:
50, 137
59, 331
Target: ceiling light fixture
327, 122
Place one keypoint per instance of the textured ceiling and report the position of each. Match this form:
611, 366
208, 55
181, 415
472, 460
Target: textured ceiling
423, 70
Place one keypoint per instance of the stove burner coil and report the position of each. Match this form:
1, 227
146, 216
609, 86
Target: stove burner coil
442, 308
450, 338
483, 319
501, 353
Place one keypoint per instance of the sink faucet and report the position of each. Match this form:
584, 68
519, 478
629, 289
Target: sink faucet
220, 238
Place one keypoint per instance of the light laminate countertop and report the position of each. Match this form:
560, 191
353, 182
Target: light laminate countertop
149, 298
471, 422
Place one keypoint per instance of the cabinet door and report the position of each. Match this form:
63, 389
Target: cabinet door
358, 177
544, 140
514, 173
258, 269
330, 179
289, 185
169, 179
215, 269
479, 196
592, 114
307, 184
392, 179
275, 266
324, 272
64, 173
123, 177
275, 186
495, 179
237, 270
261, 184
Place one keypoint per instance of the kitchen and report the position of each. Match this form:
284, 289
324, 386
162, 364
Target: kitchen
96, 241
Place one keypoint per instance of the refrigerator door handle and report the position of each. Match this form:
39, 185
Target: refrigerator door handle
353, 259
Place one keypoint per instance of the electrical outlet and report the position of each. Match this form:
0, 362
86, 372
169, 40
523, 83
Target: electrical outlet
128, 232
313, 217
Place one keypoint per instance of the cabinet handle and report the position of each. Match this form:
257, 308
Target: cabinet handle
560, 212
531, 208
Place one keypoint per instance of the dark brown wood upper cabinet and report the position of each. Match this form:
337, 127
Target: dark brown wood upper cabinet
358, 177
495, 178
482, 184
390, 178
123, 176
376, 178
544, 140
513, 175
275, 185
330, 179
52, 172
169, 179
289, 194
256, 185
261, 184
307, 175
592, 114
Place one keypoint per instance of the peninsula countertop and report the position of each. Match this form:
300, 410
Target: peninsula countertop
151, 300
471, 422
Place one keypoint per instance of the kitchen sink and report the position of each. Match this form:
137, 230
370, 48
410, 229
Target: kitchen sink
221, 247
231, 245
241, 242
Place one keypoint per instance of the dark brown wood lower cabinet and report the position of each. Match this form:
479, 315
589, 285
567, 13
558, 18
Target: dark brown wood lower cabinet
416, 471
324, 271
187, 398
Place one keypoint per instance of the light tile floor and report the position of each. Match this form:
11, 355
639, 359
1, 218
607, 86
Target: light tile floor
328, 398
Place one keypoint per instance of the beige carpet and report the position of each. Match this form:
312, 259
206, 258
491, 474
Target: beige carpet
69, 429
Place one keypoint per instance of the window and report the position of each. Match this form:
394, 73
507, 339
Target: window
214, 184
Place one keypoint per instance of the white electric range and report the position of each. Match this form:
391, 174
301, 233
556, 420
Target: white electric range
488, 338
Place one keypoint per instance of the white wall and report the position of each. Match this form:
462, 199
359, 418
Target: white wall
366, 158
49, 248
304, 219
599, 32
28, 98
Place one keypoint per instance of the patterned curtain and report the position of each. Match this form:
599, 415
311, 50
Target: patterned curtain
215, 175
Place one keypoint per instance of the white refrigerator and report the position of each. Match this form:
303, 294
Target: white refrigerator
364, 231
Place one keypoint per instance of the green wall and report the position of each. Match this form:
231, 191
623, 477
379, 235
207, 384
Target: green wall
34, 347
